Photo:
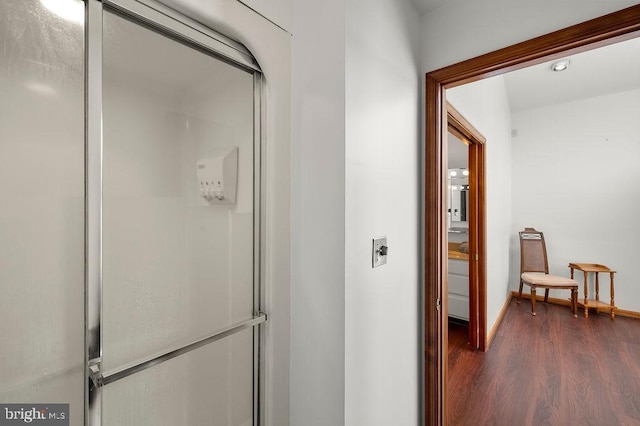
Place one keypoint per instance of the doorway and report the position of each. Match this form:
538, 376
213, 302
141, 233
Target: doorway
475, 217
598, 32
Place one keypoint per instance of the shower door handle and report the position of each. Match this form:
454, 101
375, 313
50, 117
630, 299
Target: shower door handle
100, 380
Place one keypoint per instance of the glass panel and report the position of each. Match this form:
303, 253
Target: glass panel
42, 203
176, 265
212, 385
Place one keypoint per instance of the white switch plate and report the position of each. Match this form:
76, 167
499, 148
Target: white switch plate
377, 258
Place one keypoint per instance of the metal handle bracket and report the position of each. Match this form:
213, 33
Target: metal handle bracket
95, 374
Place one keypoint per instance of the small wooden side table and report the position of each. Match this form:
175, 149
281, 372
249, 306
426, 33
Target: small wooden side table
594, 303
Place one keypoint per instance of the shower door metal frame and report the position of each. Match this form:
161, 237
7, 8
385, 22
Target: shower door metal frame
166, 21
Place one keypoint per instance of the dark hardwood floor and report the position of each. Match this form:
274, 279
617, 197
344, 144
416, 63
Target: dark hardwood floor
551, 369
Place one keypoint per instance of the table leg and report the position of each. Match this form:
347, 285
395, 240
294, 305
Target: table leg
613, 314
586, 296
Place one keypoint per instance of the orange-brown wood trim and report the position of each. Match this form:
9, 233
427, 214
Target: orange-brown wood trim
567, 302
435, 333
608, 29
501, 315
553, 300
625, 313
478, 179
462, 126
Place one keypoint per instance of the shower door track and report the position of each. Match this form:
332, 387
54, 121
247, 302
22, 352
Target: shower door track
162, 19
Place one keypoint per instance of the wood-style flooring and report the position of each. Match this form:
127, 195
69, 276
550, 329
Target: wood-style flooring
551, 369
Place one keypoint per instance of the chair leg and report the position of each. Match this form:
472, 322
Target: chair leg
533, 300
519, 294
574, 299
546, 295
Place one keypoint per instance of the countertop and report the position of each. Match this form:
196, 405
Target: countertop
455, 253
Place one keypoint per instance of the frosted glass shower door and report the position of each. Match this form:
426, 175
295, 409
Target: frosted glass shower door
177, 266
42, 204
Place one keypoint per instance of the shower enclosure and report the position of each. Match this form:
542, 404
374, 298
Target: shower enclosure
130, 225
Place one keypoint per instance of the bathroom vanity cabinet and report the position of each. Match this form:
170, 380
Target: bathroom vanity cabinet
458, 297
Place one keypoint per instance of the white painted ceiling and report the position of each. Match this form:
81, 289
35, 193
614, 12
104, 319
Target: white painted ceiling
597, 72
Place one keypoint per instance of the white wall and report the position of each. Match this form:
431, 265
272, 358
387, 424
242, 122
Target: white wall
318, 224
575, 177
485, 105
350, 365
279, 12
382, 192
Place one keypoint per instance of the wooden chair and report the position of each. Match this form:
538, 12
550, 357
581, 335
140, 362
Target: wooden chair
534, 270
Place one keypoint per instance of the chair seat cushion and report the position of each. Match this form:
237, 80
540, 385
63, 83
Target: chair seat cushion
539, 278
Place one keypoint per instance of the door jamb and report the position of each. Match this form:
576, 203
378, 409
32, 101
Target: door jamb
602, 31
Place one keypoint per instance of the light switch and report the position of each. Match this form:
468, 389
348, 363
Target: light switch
379, 252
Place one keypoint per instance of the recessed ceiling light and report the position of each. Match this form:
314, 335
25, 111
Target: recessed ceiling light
453, 173
560, 65
71, 10
465, 173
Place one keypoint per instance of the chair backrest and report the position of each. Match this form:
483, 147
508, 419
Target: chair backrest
533, 252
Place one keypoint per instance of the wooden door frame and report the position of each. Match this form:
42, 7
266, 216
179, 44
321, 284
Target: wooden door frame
608, 29
464, 130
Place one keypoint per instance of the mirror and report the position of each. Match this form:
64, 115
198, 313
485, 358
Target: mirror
458, 188
457, 183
